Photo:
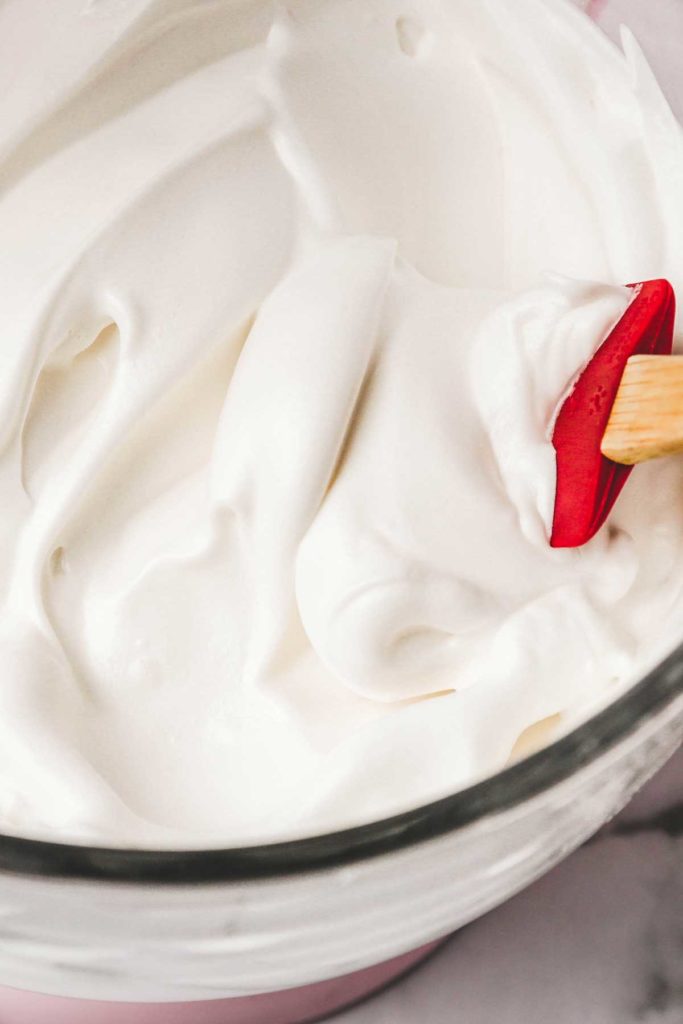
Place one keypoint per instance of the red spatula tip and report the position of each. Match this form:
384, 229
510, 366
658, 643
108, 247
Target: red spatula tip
588, 484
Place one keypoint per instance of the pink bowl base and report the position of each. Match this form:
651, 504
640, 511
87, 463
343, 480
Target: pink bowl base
293, 1006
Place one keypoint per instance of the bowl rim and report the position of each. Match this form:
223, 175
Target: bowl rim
498, 793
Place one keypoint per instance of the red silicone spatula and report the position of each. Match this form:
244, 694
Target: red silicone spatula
588, 482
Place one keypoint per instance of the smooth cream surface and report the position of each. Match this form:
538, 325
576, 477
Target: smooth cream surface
290, 295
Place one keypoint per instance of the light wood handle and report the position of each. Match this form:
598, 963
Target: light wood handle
647, 416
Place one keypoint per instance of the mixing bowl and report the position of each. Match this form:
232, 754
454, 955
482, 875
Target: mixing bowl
254, 935
289, 932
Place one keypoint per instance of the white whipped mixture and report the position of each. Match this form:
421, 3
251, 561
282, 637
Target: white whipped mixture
289, 296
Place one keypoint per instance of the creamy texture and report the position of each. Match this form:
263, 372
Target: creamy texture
290, 296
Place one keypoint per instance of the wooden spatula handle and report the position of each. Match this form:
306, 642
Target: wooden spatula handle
647, 416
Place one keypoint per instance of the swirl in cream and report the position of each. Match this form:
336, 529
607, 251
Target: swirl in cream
289, 301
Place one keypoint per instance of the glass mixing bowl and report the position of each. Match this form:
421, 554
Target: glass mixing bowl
219, 936
288, 932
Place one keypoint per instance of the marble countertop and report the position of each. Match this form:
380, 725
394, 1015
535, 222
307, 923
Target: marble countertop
600, 939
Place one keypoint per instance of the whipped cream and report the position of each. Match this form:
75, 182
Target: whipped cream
290, 297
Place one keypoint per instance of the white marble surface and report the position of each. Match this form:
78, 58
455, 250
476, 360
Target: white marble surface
600, 939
